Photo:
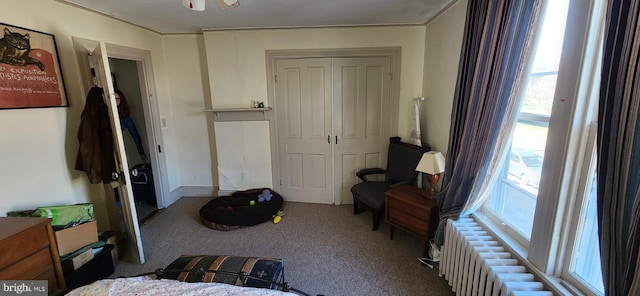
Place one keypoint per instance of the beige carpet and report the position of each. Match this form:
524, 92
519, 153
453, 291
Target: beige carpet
326, 249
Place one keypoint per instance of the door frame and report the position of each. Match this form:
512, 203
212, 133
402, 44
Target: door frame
273, 56
84, 47
122, 185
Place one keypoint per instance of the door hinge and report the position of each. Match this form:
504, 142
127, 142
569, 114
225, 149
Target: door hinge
275, 78
390, 76
159, 149
280, 182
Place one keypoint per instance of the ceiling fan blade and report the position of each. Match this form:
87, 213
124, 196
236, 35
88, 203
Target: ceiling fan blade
227, 4
197, 5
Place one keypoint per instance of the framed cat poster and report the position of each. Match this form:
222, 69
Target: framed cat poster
30, 75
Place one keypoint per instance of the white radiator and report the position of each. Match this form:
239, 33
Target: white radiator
475, 264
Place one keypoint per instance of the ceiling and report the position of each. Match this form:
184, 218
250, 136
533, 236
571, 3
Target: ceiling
170, 17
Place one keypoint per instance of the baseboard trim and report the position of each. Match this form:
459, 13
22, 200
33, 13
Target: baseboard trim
192, 191
225, 192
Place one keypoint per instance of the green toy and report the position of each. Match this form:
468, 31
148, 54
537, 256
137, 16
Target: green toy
277, 217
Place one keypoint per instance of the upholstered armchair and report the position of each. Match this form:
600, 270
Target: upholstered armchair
402, 159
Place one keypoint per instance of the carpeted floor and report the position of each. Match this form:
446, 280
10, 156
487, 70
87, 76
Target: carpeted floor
326, 249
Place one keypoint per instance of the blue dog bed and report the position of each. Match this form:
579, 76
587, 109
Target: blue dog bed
234, 211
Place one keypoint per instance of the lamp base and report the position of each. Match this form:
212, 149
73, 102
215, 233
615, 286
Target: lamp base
433, 180
429, 194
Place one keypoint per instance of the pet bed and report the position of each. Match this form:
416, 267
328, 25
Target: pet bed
238, 210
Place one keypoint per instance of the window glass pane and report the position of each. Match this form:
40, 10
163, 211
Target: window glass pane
587, 265
513, 198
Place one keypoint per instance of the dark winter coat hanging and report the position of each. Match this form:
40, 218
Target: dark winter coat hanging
95, 136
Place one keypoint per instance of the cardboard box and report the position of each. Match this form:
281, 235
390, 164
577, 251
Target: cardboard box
74, 238
109, 237
74, 263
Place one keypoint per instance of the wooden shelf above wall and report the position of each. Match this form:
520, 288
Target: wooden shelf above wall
240, 114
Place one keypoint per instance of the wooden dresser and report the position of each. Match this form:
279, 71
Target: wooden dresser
407, 209
28, 251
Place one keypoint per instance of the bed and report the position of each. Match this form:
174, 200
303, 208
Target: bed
201, 275
145, 285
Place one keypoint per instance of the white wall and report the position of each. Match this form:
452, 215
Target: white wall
38, 146
242, 165
443, 42
192, 127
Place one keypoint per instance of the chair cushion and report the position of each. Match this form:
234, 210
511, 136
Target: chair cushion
370, 193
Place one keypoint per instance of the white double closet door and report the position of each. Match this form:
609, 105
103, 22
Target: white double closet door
333, 118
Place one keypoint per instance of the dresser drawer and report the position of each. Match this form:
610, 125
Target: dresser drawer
23, 244
50, 276
417, 226
419, 212
30, 267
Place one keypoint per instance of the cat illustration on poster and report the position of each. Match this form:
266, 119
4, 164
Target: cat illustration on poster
30, 74
15, 48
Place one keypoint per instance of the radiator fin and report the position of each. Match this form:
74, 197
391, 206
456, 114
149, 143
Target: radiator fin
474, 263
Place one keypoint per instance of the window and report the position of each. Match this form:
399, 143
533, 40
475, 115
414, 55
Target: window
514, 198
584, 268
545, 197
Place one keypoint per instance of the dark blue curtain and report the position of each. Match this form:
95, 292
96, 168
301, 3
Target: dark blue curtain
619, 150
496, 46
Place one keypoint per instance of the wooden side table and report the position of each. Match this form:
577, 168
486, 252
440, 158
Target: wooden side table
407, 209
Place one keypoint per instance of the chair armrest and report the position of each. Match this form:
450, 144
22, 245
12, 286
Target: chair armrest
363, 173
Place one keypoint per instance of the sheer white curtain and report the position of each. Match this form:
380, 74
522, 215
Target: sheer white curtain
416, 136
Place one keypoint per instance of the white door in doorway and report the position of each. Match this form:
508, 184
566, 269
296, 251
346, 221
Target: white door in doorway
362, 119
303, 116
333, 118
103, 74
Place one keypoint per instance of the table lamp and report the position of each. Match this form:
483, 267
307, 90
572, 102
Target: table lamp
431, 163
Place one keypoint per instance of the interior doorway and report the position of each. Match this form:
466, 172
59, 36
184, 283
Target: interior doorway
333, 119
125, 77
93, 56
376, 117
124, 74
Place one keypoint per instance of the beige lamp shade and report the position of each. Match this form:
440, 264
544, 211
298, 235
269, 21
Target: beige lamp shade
432, 162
